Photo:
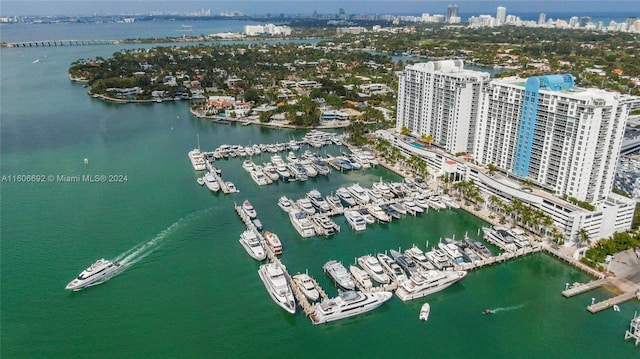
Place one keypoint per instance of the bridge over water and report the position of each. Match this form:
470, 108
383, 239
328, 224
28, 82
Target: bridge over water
50, 43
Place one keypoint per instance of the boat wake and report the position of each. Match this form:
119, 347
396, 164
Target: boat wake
505, 309
142, 250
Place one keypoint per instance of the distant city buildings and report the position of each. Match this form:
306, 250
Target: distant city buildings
268, 29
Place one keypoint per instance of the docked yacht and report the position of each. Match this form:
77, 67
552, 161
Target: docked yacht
301, 222
274, 279
436, 203
478, 247
335, 203
306, 286
259, 178
409, 266
231, 187
384, 188
297, 171
273, 241
321, 166
305, 205
379, 214
325, 226
318, 201
248, 165
372, 266
252, 245
501, 236
284, 173
359, 193
345, 196
361, 277
97, 273
398, 208
419, 258
348, 304
412, 206
355, 220
197, 160
336, 271
429, 282
285, 203
449, 202
248, 209
211, 183
309, 169
367, 216
452, 252
468, 254
438, 258
390, 211
392, 268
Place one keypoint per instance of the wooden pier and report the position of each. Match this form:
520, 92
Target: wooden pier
223, 185
581, 288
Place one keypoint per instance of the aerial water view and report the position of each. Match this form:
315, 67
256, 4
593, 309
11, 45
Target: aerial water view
312, 179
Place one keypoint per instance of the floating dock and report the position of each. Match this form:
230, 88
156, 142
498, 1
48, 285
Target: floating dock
608, 303
581, 288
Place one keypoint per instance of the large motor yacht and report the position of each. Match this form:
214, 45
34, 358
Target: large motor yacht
97, 273
274, 279
348, 304
429, 282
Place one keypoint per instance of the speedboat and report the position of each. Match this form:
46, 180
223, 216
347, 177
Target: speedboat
248, 209
211, 182
318, 201
302, 223
231, 187
273, 241
252, 245
372, 266
355, 220
392, 268
345, 196
197, 160
424, 311
274, 279
429, 282
256, 222
409, 266
306, 286
285, 203
348, 304
97, 273
336, 271
361, 277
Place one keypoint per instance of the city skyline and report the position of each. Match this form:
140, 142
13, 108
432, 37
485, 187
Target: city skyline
253, 7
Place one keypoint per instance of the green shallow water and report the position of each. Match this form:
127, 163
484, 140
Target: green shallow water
193, 291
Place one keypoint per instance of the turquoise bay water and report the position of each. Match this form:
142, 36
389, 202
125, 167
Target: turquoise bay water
193, 291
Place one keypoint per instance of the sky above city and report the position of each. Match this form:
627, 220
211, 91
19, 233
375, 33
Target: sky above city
249, 7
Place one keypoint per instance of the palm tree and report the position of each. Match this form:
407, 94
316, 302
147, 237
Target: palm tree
583, 236
404, 131
427, 139
492, 169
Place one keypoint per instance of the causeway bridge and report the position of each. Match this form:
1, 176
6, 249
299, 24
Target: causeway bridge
51, 43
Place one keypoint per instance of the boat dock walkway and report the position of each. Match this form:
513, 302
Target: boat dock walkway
499, 258
223, 185
581, 288
611, 302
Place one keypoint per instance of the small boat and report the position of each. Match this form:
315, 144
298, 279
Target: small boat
335, 204
273, 241
200, 181
306, 286
97, 273
256, 222
285, 203
487, 311
231, 187
248, 209
424, 311
252, 245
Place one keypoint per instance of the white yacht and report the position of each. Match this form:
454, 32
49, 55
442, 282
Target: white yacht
367, 216
361, 277
436, 203
285, 203
438, 258
345, 196
379, 214
348, 304
412, 206
449, 202
419, 258
273, 241
259, 178
318, 201
391, 267
478, 247
355, 220
321, 167
302, 223
501, 236
335, 204
359, 194
231, 187
97, 273
248, 209
429, 282
211, 183
398, 208
274, 279
372, 266
197, 160
308, 167
252, 245
452, 252
325, 225
306, 205
406, 263
336, 271
384, 188
248, 165
306, 286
